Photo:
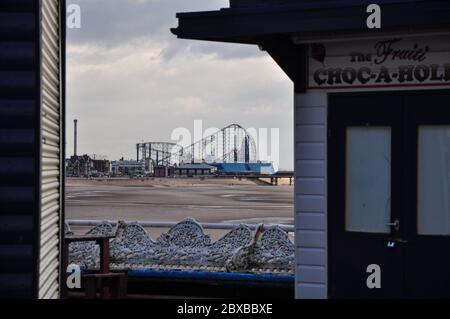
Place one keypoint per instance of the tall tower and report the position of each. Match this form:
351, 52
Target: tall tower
75, 137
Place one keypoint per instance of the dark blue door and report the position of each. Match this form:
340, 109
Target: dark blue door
389, 195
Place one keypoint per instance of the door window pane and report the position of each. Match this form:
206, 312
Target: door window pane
368, 179
433, 180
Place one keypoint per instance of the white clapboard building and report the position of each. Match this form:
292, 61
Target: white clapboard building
372, 136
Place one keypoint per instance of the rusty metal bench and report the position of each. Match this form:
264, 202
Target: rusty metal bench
110, 284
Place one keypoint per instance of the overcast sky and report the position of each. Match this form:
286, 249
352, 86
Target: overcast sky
131, 80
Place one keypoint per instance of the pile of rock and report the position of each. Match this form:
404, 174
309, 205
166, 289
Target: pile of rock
186, 247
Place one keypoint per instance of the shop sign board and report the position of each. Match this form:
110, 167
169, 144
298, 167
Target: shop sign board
380, 63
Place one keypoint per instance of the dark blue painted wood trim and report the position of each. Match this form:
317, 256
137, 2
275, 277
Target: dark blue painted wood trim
250, 26
230, 278
251, 5
38, 166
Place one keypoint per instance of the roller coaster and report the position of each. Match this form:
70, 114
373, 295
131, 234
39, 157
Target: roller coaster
231, 144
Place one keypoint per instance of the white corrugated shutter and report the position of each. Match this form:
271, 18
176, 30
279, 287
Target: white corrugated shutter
51, 150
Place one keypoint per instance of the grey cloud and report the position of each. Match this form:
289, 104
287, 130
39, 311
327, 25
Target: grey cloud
108, 22
219, 50
130, 79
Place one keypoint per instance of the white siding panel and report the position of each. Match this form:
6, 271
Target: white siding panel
311, 186
310, 221
311, 151
312, 256
317, 99
310, 115
310, 133
310, 291
310, 168
310, 203
310, 195
314, 274
309, 239
50, 152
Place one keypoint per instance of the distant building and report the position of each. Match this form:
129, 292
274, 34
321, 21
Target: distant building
85, 166
78, 166
129, 168
199, 169
162, 171
102, 166
244, 168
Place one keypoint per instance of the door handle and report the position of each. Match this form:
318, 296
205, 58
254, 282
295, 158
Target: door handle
395, 225
401, 241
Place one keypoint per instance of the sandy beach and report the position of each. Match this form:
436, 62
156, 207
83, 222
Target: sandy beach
212, 200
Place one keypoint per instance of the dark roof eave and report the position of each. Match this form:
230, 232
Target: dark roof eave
231, 39
252, 27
